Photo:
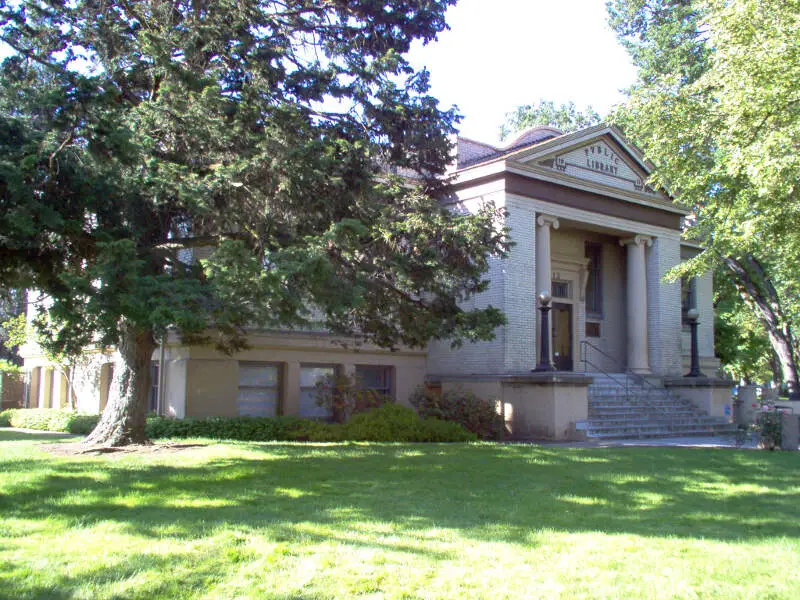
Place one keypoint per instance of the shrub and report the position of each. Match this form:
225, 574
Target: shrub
83, 424
393, 423
462, 407
388, 423
343, 397
246, 429
768, 426
49, 419
310, 430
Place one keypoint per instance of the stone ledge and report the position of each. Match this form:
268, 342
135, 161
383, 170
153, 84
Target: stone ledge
551, 378
530, 377
698, 382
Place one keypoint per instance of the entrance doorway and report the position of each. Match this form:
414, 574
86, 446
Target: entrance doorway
562, 336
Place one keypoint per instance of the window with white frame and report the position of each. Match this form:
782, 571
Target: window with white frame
309, 376
259, 389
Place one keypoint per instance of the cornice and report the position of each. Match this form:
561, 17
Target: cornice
537, 172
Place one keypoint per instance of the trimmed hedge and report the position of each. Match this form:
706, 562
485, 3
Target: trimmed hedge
388, 423
49, 419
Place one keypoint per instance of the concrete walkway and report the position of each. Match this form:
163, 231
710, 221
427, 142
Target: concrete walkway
674, 442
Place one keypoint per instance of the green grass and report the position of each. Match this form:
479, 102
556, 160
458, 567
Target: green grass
270, 520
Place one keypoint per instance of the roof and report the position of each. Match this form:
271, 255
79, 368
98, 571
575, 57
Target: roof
472, 152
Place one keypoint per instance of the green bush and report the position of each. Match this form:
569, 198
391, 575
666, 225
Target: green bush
460, 406
388, 423
246, 429
393, 423
342, 397
768, 426
49, 419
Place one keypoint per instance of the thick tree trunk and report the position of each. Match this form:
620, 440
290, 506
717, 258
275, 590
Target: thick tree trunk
757, 291
123, 420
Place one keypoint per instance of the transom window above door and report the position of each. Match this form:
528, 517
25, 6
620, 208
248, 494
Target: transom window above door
561, 289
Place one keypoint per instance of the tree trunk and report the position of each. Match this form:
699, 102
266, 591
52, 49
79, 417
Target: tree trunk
760, 295
123, 419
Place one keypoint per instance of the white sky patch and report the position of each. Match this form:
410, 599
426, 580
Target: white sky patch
500, 54
5, 50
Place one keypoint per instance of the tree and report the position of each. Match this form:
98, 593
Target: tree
12, 305
566, 117
135, 136
740, 341
717, 109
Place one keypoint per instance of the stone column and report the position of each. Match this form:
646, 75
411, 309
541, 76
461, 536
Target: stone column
636, 286
544, 275
45, 388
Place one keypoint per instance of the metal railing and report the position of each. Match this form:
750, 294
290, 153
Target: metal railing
585, 345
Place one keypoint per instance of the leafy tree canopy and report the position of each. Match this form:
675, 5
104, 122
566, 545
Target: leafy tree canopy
260, 136
12, 305
566, 117
717, 109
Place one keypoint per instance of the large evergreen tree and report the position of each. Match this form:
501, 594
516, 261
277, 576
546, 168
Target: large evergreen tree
717, 108
135, 133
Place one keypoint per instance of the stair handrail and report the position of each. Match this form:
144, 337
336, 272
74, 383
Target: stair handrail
584, 354
629, 374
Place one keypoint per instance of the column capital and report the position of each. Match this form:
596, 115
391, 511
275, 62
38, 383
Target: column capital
637, 240
547, 220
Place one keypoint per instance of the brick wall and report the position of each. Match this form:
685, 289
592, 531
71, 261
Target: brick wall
479, 357
663, 306
519, 303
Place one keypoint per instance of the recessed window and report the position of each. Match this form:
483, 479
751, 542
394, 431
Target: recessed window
594, 283
592, 329
259, 389
309, 376
561, 289
377, 378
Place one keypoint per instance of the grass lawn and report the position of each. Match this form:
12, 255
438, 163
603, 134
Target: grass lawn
253, 520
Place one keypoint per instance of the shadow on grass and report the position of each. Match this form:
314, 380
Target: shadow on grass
14, 435
391, 498
492, 493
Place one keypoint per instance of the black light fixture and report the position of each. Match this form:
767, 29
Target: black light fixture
694, 370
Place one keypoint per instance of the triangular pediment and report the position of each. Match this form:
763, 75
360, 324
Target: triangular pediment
600, 161
598, 155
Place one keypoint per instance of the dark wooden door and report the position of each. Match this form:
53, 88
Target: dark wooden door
562, 336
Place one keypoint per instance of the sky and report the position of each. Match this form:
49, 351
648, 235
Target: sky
499, 54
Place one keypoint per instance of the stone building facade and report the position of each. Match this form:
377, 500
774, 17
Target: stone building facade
587, 229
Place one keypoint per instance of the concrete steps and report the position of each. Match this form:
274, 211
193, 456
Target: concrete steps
620, 409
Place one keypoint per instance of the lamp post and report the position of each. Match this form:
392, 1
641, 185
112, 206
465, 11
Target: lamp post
694, 371
545, 364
